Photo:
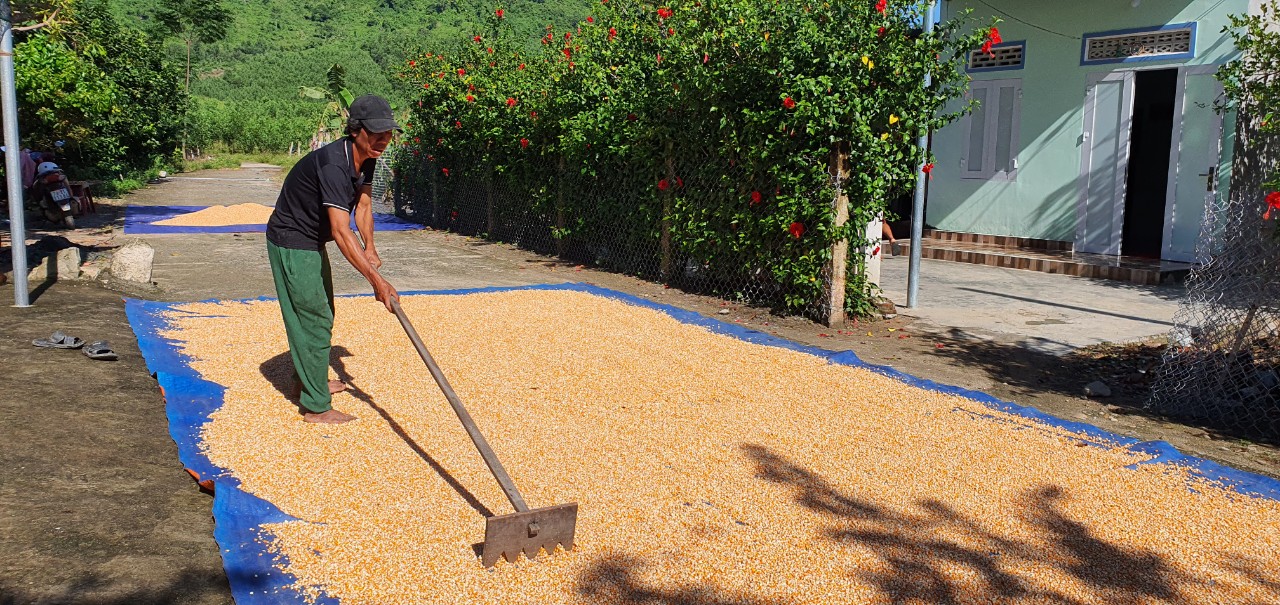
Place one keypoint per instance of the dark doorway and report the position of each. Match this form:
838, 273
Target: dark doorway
1150, 143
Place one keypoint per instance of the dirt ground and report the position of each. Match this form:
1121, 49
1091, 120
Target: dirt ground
95, 508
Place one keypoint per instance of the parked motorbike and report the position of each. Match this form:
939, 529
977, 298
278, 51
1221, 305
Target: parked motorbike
52, 193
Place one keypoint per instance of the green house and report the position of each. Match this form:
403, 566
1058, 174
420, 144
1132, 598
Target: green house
1097, 129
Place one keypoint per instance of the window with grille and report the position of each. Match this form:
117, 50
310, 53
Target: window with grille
991, 131
1169, 42
1008, 55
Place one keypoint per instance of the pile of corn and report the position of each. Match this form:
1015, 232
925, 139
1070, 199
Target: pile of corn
222, 216
707, 470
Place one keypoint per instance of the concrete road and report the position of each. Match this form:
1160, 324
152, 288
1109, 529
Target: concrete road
1044, 312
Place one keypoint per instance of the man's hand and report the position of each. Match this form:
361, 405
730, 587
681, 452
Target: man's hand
383, 291
371, 255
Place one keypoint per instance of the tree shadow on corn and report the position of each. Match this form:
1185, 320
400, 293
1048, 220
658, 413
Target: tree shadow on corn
279, 372
922, 561
189, 586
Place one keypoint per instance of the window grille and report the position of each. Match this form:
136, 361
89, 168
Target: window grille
1154, 44
1000, 57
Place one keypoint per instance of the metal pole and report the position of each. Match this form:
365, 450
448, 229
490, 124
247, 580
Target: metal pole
12, 161
917, 208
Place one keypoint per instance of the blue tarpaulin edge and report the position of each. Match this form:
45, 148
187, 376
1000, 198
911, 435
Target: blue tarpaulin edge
140, 220
237, 514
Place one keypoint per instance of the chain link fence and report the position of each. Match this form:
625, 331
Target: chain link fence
605, 215
1222, 368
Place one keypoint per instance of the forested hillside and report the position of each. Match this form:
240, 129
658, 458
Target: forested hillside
245, 88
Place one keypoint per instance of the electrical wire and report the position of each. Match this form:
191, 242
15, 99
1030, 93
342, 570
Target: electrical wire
1027, 23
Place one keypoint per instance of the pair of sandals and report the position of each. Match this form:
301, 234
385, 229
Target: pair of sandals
100, 350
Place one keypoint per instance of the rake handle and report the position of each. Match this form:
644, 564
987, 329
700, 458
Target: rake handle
491, 459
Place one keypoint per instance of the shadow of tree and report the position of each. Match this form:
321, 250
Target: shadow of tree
1126, 369
921, 559
189, 586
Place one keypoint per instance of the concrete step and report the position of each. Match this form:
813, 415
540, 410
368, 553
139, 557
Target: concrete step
1097, 266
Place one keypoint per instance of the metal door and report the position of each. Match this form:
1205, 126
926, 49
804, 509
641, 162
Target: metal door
1108, 118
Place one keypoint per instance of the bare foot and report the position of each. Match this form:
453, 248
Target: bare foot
331, 416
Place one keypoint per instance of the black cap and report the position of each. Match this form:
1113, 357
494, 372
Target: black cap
374, 114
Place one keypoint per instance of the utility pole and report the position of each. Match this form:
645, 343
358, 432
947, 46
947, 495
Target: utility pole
917, 207
12, 161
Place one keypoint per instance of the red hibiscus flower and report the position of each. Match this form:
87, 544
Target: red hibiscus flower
413, 63
567, 52
524, 143
663, 185
659, 58
881, 6
462, 72
591, 19
568, 35
797, 228
446, 173
499, 13
705, 58
490, 50
789, 103
1273, 203
511, 102
671, 31
425, 85
994, 36
533, 114
756, 198
613, 33
664, 13
928, 169
477, 38
457, 124
471, 99
880, 32
521, 66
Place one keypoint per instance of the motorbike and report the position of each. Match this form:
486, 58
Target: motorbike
52, 193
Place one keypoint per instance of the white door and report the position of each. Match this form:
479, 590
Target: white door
1198, 170
1108, 117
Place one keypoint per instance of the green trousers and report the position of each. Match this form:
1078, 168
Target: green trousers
304, 285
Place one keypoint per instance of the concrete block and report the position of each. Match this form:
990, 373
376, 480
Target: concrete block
132, 262
68, 263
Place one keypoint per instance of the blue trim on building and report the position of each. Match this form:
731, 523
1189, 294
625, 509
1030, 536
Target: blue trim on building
1084, 44
1022, 43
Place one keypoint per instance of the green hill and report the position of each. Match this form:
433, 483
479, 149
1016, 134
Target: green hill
275, 46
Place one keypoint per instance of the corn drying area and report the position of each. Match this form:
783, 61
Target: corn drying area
707, 470
222, 216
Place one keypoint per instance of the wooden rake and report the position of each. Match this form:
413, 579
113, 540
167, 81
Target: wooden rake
508, 535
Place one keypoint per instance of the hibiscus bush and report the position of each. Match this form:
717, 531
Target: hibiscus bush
692, 141
1252, 89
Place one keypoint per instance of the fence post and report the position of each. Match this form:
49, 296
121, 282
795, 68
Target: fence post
559, 206
664, 244
488, 203
435, 194
838, 267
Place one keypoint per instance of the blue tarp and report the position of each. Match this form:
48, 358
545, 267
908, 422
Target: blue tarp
140, 220
189, 400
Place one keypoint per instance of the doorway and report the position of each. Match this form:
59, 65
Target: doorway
1147, 182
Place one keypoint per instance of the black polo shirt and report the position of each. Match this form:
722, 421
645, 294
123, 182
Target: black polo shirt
323, 178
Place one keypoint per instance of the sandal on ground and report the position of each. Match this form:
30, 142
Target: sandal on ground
58, 340
100, 350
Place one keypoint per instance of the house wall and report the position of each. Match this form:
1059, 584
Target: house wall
1042, 202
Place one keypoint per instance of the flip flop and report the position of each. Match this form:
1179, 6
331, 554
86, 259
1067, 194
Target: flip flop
58, 340
100, 350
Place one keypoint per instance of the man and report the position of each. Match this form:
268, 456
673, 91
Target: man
315, 205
